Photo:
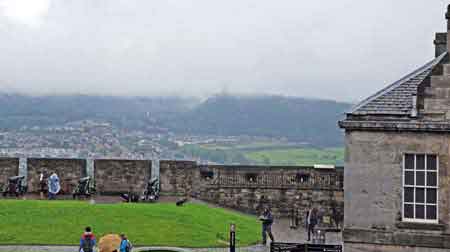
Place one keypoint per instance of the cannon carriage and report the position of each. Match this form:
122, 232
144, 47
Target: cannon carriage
85, 187
151, 192
14, 186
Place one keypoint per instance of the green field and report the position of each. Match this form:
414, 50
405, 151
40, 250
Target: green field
62, 222
265, 153
242, 146
298, 156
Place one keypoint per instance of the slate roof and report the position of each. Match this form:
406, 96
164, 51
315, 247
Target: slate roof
396, 99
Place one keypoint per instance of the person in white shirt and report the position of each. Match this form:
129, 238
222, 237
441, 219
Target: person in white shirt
53, 186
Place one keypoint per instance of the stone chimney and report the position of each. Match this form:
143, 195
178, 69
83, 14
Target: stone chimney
447, 16
440, 43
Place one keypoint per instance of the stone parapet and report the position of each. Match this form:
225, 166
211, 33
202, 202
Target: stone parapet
8, 167
178, 177
69, 172
285, 189
113, 176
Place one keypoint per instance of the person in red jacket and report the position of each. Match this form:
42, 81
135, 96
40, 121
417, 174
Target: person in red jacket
87, 241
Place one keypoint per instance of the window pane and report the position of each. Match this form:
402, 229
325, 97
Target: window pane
420, 212
409, 161
420, 178
431, 178
409, 178
409, 211
420, 195
431, 196
431, 162
409, 194
431, 212
420, 162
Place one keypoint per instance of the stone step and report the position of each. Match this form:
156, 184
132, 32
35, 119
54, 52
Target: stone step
432, 112
437, 104
437, 92
431, 115
440, 81
446, 68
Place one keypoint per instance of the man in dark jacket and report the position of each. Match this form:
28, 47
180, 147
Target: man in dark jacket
311, 221
267, 221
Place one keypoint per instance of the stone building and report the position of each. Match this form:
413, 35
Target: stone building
397, 177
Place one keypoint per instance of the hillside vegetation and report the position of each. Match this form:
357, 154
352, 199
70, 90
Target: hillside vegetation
303, 120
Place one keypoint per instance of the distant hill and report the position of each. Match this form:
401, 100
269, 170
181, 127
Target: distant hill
299, 119
18, 110
304, 120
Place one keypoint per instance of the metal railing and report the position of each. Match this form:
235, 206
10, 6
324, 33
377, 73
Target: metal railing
324, 181
297, 247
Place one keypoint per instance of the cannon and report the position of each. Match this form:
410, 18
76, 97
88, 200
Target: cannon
151, 192
14, 186
84, 188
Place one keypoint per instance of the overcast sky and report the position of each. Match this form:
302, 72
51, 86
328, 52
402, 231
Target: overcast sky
343, 50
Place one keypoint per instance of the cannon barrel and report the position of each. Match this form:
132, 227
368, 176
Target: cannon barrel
16, 178
84, 179
153, 181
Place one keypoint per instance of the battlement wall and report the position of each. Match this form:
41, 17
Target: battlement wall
114, 176
69, 172
8, 167
285, 189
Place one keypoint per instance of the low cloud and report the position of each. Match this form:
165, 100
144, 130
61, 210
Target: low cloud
342, 50
26, 12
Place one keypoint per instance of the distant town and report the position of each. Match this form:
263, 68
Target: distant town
96, 139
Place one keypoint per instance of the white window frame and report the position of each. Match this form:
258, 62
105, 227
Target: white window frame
418, 220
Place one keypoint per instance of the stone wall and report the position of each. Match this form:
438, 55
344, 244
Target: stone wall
120, 176
283, 189
373, 189
8, 167
250, 188
68, 170
178, 177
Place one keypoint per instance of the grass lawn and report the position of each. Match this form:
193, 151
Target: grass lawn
62, 222
298, 156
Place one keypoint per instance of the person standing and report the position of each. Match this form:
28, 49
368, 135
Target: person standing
267, 221
87, 241
311, 221
43, 183
53, 186
125, 244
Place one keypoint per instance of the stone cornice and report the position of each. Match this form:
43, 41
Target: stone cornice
417, 126
421, 226
421, 238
